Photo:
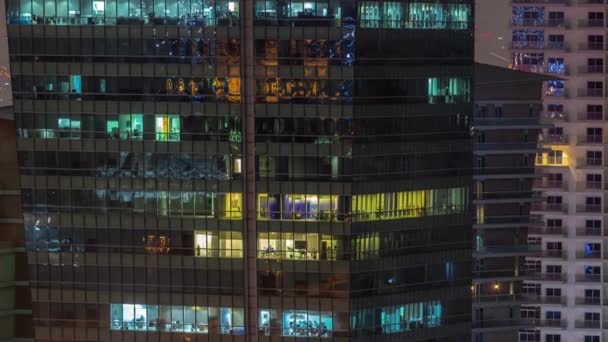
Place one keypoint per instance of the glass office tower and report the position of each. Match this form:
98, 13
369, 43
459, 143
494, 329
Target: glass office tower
248, 171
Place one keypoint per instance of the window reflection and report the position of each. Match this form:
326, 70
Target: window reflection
297, 246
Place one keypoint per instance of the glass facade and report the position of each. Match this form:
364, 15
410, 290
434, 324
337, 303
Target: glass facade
225, 167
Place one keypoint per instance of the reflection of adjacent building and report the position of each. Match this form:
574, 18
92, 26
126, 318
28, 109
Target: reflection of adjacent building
15, 306
182, 173
507, 124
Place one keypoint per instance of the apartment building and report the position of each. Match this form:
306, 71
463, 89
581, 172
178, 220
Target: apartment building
566, 39
245, 170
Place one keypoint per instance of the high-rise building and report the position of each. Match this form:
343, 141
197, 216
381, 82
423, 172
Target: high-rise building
566, 39
505, 126
258, 170
15, 303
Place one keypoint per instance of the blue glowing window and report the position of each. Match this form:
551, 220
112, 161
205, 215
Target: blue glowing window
556, 65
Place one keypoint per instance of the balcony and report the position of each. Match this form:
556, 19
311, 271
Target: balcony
591, 23
550, 231
553, 323
588, 301
506, 250
520, 298
591, 46
504, 147
588, 231
502, 220
590, 92
588, 278
590, 255
589, 208
504, 171
539, 45
590, 116
586, 140
589, 163
587, 324
561, 277
550, 207
553, 117
545, 184
504, 196
588, 186
533, 121
591, 69
556, 92
554, 139
553, 254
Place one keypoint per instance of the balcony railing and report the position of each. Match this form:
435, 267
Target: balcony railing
591, 69
508, 249
589, 163
523, 220
589, 140
563, 324
509, 121
553, 323
588, 208
539, 45
588, 324
590, 116
551, 207
554, 139
591, 92
547, 184
588, 254
527, 298
563, 277
591, 23
588, 300
503, 195
588, 278
587, 231
589, 186
590, 2
544, 230
553, 117
597, 46
554, 253
504, 146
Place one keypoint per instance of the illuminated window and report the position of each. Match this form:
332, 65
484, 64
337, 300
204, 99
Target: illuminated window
302, 323
126, 126
231, 205
68, 128
298, 207
297, 246
410, 316
448, 90
225, 244
167, 128
177, 318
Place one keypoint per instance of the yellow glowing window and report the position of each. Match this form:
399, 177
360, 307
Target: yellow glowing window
223, 245
233, 204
